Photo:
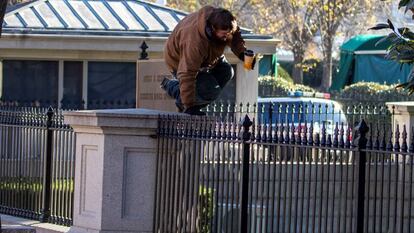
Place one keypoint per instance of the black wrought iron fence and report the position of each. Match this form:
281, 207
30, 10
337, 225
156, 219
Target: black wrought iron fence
297, 112
71, 105
36, 164
223, 175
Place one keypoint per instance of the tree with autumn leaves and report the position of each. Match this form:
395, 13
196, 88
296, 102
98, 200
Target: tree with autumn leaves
294, 22
331, 14
297, 23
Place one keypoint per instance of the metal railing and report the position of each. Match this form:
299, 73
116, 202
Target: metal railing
36, 164
71, 105
224, 175
297, 113
202, 163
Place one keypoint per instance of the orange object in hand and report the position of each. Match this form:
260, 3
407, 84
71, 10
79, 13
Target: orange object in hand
248, 59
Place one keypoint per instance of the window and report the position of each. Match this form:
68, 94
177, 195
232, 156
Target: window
111, 85
29, 81
72, 85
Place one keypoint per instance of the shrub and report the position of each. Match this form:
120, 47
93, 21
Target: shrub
372, 92
312, 71
283, 74
273, 87
205, 209
286, 65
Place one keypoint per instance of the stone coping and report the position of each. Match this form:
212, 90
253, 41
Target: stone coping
404, 107
127, 113
116, 118
402, 103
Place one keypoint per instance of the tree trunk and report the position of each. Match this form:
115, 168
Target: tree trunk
297, 72
3, 6
327, 67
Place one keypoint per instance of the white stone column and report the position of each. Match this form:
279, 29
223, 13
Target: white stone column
115, 170
403, 115
247, 88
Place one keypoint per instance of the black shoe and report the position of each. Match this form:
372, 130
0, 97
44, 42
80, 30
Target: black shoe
164, 83
196, 111
180, 107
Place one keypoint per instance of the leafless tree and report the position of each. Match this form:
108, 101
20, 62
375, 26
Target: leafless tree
332, 14
292, 21
3, 6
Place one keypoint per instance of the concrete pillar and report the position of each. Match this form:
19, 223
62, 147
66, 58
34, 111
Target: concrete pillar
247, 87
403, 115
115, 170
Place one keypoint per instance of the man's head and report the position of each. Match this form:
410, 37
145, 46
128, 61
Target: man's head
223, 24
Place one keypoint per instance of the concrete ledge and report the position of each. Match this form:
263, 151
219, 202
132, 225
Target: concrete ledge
117, 118
11, 224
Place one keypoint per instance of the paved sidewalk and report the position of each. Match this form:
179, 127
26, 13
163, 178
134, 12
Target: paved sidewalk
16, 228
11, 224
10, 227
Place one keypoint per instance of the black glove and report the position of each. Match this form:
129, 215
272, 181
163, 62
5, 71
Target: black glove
195, 110
254, 62
241, 56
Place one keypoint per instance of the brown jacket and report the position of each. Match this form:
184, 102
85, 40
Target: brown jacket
188, 49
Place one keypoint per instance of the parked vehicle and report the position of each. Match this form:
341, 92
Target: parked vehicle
300, 108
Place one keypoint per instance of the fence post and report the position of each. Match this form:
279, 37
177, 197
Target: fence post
243, 222
361, 142
47, 169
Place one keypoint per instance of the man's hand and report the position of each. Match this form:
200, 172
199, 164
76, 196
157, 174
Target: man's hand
256, 58
254, 62
241, 56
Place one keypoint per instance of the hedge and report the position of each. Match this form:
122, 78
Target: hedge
283, 74
372, 92
275, 87
312, 71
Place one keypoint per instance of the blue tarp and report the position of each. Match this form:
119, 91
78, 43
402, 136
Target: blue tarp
367, 67
375, 68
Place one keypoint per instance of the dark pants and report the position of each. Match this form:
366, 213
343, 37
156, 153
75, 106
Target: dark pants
209, 84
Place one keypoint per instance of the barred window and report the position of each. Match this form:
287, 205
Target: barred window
72, 84
111, 84
28, 81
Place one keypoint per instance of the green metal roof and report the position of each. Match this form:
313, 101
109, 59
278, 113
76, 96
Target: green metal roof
96, 17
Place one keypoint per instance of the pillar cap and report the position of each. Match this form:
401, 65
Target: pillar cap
119, 118
404, 107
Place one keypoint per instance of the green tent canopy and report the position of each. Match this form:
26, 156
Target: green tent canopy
268, 65
365, 42
362, 60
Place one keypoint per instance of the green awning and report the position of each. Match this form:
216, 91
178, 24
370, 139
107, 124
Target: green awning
347, 61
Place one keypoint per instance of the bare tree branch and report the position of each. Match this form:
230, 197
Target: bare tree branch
332, 15
3, 6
